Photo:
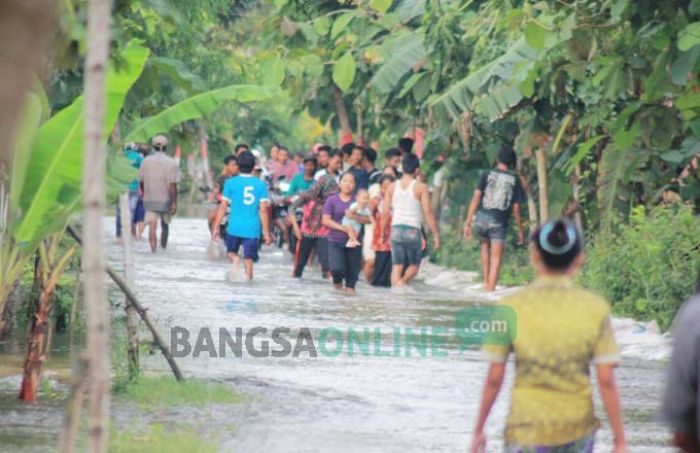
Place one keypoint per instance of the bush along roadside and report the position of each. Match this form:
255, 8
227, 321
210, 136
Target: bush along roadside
647, 267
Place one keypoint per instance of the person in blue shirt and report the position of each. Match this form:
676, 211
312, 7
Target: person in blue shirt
135, 158
301, 182
248, 217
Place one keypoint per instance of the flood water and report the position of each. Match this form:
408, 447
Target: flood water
383, 398
344, 403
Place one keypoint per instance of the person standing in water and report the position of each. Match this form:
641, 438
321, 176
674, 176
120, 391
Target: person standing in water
312, 234
380, 272
158, 177
345, 261
681, 404
229, 171
557, 331
497, 195
406, 203
248, 217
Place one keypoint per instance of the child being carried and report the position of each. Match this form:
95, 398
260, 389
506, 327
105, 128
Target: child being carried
350, 225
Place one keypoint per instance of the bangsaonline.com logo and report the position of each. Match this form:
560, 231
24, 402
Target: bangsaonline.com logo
472, 328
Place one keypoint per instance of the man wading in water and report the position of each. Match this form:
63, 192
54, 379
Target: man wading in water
248, 198
497, 195
406, 202
312, 234
158, 176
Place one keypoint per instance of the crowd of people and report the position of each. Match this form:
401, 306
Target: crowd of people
334, 206
337, 207
331, 206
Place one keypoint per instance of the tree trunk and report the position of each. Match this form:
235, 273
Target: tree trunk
465, 132
541, 159
96, 304
360, 131
204, 151
577, 198
73, 323
26, 29
132, 320
35, 345
340, 110
531, 205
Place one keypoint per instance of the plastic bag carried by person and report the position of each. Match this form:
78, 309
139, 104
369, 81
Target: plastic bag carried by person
213, 251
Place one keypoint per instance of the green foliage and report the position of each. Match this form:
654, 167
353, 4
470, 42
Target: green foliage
403, 53
52, 186
646, 268
167, 391
155, 438
195, 107
344, 71
458, 253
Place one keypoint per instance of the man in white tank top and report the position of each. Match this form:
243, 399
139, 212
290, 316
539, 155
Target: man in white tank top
408, 202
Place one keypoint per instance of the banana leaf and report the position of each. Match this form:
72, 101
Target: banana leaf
195, 107
52, 186
408, 51
618, 161
495, 88
29, 123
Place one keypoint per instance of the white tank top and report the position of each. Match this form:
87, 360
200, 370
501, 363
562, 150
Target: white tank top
406, 207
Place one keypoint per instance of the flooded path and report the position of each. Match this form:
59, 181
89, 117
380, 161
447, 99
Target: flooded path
346, 403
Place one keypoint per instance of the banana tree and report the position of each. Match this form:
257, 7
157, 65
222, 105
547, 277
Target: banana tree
50, 180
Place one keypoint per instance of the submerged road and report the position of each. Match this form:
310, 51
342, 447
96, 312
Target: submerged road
384, 397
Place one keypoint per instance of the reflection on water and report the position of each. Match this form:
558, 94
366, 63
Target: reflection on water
426, 400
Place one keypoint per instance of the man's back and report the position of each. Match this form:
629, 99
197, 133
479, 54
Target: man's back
500, 189
157, 172
406, 204
245, 193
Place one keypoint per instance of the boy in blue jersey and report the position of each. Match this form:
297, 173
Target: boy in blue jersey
248, 198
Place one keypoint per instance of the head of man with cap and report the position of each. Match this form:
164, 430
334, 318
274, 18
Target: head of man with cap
160, 142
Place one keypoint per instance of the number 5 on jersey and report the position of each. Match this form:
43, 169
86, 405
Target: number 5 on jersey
248, 197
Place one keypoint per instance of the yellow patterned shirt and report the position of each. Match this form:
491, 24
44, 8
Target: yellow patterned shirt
561, 330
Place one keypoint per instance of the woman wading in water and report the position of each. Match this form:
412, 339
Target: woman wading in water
560, 330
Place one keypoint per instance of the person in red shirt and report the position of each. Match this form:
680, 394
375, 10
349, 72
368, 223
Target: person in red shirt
381, 274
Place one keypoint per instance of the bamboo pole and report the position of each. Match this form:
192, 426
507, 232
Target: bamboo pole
132, 322
139, 309
74, 312
71, 418
96, 304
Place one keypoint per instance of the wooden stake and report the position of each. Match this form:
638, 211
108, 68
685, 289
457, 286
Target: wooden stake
132, 321
71, 418
96, 304
140, 310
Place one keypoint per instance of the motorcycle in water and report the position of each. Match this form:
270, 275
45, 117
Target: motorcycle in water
279, 225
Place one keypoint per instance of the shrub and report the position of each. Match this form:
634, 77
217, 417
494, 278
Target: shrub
646, 268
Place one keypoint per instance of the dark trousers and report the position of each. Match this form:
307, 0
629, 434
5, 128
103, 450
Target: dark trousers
303, 251
292, 241
345, 263
382, 269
